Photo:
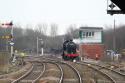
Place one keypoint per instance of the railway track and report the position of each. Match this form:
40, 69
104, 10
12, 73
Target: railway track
106, 76
32, 75
117, 67
53, 73
72, 72
73, 77
113, 75
90, 75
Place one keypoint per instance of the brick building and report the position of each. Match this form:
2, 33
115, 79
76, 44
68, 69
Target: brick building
91, 42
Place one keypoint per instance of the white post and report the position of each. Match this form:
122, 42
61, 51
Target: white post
41, 47
41, 51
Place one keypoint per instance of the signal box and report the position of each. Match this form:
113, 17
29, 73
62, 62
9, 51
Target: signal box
91, 42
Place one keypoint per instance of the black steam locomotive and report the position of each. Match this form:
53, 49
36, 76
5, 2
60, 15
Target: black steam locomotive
70, 50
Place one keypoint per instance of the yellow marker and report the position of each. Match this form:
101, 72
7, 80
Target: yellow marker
22, 54
7, 37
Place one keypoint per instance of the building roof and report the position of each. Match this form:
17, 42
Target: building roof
91, 28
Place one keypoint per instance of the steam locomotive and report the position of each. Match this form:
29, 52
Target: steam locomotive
70, 50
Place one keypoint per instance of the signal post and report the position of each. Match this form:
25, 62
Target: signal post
12, 43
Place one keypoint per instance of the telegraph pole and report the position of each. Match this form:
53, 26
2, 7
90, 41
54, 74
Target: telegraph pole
41, 47
114, 37
37, 46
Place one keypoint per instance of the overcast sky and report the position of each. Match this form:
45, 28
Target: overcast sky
61, 12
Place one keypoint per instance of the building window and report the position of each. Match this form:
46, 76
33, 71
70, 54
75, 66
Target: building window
92, 33
84, 34
87, 34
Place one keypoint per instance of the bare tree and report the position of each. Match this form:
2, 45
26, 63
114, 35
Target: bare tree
53, 30
120, 38
42, 28
71, 29
72, 32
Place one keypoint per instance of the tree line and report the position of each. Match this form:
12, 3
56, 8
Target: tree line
115, 36
26, 39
